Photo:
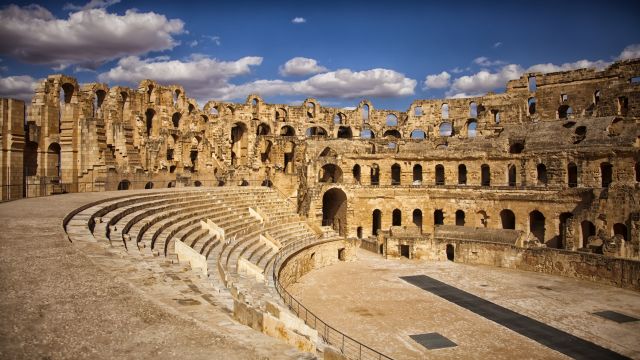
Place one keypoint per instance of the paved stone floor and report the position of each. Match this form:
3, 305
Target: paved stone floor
367, 300
78, 301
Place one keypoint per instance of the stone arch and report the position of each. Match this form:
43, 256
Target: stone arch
396, 217
392, 120
531, 105
472, 128
356, 172
473, 109
445, 129
511, 175
418, 134
395, 174
54, 160
328, 152
316, 131
606, 174
281, 114
334, 210
438, 217
588, 229
289, 156
485, 175
148, 185
444, 111
572, 175
417, 174
124, 185
416, 217
376, 221
565, 221
460, 218
287, 130
367, 134
621, 229
541, 171
330, 173
450, 251
537, 225
239, 144
375, 174
149, 121
440, 178
508, 219
175, 119
462, 174
263, 129
344, 132
394, 133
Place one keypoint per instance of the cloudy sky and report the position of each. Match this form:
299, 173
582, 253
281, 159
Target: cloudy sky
340, 52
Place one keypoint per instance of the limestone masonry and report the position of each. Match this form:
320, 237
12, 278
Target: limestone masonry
551, 162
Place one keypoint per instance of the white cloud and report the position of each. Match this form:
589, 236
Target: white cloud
439, 81
497, 45
93, 4
194, 43
87, 37
484, 61
18, 87
484, 80
630, 52
298, 20
580, 64
301, 66
203, 77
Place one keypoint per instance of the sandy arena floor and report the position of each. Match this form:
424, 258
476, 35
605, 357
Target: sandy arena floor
367, 300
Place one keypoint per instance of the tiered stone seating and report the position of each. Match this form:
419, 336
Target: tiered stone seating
145, 226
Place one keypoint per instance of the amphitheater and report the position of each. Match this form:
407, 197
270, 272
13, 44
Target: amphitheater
136, 224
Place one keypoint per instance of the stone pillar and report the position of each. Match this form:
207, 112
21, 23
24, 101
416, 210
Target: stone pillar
12, 149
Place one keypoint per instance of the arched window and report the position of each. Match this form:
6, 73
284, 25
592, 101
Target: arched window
392, 120
496, 116
396, 217
417, 218
516, 148
417, 111
621, 229
395, 174
375, 174
511, 175
392, 133
541, 170
365, 113
263, 129
438, 217
287, 131
418, 134
148, 185
485, 172
460, 218
588, 230
473, 109
376, 221
572, 175
149, 114
344, 132
606, 174
124, 185
462, 174
537, 225
531, 105
532, 83
417, 174
444, 111
440, 180
366, 134
596, 97
356, 173
472, 127
446, 129
175, 119
508, 219
637, 171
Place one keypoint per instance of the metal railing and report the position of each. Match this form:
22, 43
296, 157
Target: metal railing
349, 347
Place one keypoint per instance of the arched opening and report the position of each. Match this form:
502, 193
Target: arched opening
191, 108
392, 133
444, 111
344, 132
263, 129
396, 217
462, 174
287, 131
637, 171
281, 114
175, 119
239, 144
124, 185
446, 129
392, 120
532, 83
472, 127
531, 105
172, 169
54, 160
330, 173
564, 111
316, 131
148, 185
621, 229
395, 174
365, 113
450, 250
98, 101
496, 116
541, 170
265, 150
516, 148
416, 217
418, 134
606, 173
485, 174
367, 134
537, 225
596, 97
356, 173
483, 219
572, 175
359, 232
337, 118
197, 183
417, 111
473, 110
623, 105
375, 174
267, 183
438, 217
376, 221
311, 110
176, 96
244, 183
30, 158
149, 114
334, 210
440, 174
328, 152
588, 230
460, 218
511, 175
417, 174
508, 219
171, 184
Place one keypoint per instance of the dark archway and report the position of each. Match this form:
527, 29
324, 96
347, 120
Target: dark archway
376, 221
344, 132
417, 174
621, 229
334, 210
375, 174
395, 174
54, 160
124, 185
330, 173
440, 175
438, 217
512, 175
561, 241
485, 171
148, 185
462, 174
356, 173
287, 131
263, 129
606, 172
460, 221
572, 175
508, 219
417, 218
588, 230
239, 143
396, 218
541, 170
450, 252
537, 225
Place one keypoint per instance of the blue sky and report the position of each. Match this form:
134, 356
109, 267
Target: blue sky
391, 52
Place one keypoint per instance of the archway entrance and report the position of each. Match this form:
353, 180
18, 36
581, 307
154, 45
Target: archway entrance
334, 210
376, 222
450, 252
